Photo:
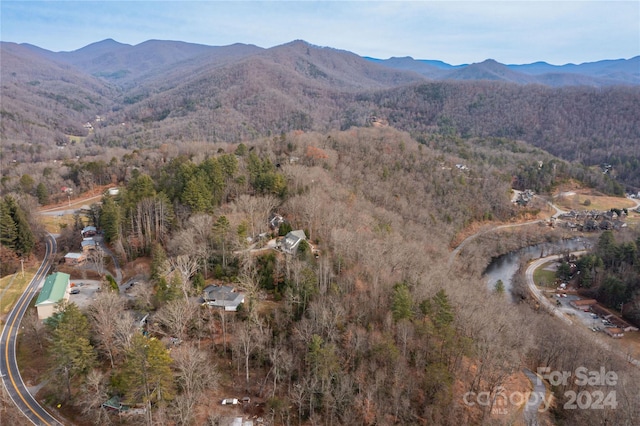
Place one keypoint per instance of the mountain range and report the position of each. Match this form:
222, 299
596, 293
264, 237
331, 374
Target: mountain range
600, 73
112, 60
160, 91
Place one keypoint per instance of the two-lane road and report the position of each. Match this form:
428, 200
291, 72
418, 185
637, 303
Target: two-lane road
11, 378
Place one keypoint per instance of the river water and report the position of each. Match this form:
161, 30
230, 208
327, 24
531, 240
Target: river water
505, 266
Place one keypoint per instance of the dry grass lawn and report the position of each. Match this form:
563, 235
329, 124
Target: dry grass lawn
11, 287
630, 343
54, 224
575, 200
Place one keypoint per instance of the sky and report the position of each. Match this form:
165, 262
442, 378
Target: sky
456, 32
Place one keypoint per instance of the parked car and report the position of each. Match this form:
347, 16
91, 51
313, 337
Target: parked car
74, 291
230, 401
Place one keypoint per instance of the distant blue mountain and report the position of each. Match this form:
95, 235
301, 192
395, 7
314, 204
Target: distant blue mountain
600, 73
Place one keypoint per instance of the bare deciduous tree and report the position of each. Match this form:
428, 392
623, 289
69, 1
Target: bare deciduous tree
175, 317
186, 265
256, 211
249, 337
110, 322
93, 393
195, 374
96, 256
34, 329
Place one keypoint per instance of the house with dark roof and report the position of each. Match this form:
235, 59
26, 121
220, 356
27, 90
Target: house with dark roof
275, 221
223, 296
54, 290
292, 240
88, 231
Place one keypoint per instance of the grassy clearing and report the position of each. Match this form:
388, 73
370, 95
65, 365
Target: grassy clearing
543, 277
633, 218
54, 224
11, 287
575, 200
76, 139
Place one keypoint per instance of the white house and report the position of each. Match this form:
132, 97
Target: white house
292, 240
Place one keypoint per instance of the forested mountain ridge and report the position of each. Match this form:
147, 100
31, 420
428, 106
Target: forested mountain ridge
42, 99
125, 65
595, 74
164, 90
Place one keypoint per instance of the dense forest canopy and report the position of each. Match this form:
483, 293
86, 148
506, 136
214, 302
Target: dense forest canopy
366, 324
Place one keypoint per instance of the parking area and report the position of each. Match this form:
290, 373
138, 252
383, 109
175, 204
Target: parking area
589, 319
83, 292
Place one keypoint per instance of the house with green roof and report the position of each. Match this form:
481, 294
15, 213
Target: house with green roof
54, 290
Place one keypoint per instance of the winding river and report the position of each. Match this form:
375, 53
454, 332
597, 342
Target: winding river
505, 266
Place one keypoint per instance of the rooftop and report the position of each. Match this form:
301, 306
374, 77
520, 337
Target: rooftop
54, 288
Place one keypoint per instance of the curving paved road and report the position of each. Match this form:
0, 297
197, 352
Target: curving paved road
537, 294
543, 300
11, 378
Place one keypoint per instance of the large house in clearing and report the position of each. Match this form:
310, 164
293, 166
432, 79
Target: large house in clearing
292, 240
223, 296
54, 290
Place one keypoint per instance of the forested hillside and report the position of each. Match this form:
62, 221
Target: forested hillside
590, 126
159, 92
367, 324
43, 101
384, 167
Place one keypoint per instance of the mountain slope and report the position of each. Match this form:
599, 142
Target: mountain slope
409, 64
489, 70
41, 97
590, 125
175, 91
338, 67
295, 86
